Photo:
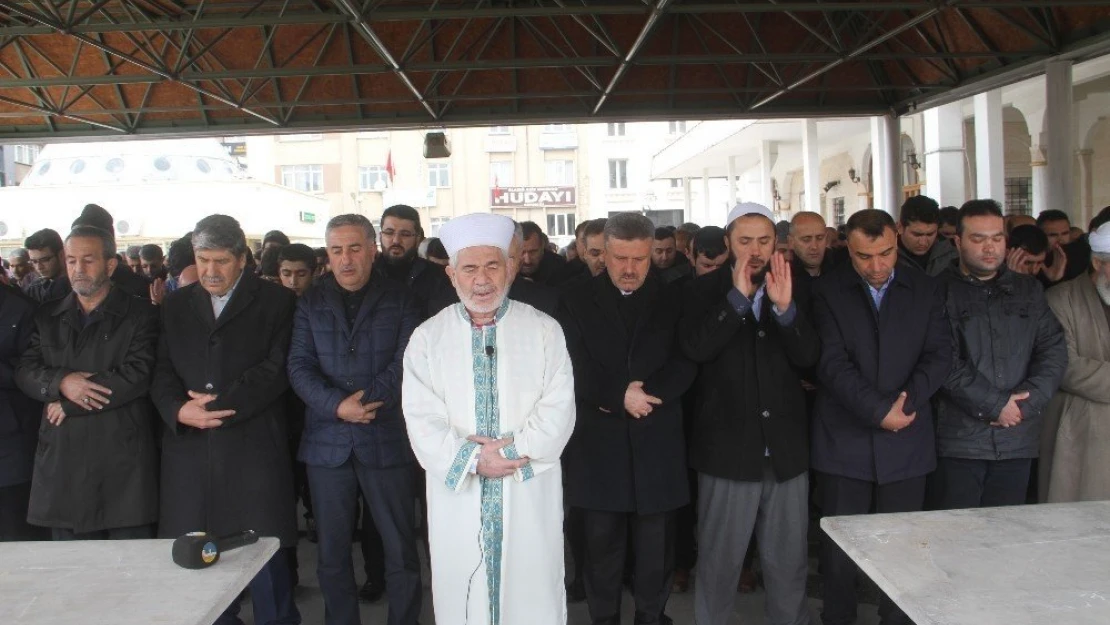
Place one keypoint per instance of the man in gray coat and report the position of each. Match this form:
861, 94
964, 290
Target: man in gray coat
1010, 357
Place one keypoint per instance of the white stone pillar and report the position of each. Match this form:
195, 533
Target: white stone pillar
768, 154
990, 163
731, 186
885, 162
944, 155
687, 200
1086, 189
811, 167
705, 197
1040, 179
1059, 133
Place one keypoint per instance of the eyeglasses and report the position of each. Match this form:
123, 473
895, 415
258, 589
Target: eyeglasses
43, 260
404, 234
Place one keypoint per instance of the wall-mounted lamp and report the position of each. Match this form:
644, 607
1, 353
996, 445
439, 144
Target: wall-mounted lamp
911, 160
830, 184
852, 175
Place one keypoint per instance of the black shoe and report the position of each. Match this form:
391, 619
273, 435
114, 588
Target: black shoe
576, 591
371, 592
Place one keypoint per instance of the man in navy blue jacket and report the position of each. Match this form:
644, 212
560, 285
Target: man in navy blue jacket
885, 350
349, 336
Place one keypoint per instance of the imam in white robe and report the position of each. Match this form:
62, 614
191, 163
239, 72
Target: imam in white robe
496, 544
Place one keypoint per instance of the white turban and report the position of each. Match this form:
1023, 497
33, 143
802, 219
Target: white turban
1100, 239
475, 230
749, 208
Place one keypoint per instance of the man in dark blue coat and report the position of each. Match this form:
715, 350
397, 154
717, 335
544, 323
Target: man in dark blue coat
19, 418
349, 336
885, 350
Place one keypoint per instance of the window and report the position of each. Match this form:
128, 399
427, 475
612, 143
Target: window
307, 178
499, 130
372, 178
676, 183
676, 128
501, 173
434, 226
439, 175
560, 173
838, 211
162, 163
560, 225
616, 130
618, 173
26, 154
1019, 196
114, 166
557, 128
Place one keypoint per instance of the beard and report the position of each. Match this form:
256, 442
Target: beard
86, 286
760, 276
1102, 285
482, 308
404, 259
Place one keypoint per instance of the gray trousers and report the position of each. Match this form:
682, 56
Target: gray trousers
728, 511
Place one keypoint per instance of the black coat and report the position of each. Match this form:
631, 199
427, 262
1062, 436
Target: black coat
131, 283
550, 270
1006, 341
19, 414
613, 461
426, 281
43, 290
97, 470
866, 361
750, 398
237, 476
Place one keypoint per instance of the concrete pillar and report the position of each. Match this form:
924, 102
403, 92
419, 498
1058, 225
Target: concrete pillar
1040, 178
687, 201
768, 154
811, 167
944, 155
1086, 188
705, 212
990, 163
1059, 132
731, 186
886, 161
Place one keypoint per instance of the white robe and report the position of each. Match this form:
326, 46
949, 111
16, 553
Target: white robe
529, 372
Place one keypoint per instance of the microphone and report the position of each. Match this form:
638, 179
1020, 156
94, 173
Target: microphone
490, 351
199, 550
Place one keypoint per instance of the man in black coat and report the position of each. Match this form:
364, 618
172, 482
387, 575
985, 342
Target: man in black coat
44, 248
536, 262
885, 350
122, 278
220, 386
746, 328
19, 418
400, 238
626, 466
90, 359
671, 264
1011, 356
349, 336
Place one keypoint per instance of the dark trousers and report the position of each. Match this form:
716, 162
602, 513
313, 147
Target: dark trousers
842, 496
373, 554
607, 540
116, 533
14, 500
271, 596
574, 527
686, 528
965, 483
390, 496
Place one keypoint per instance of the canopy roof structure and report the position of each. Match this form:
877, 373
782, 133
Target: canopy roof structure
117, 68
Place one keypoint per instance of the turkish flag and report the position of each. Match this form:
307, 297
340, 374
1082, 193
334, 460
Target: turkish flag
496, 187
389, 167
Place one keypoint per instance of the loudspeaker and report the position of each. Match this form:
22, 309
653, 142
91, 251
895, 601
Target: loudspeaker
436, 145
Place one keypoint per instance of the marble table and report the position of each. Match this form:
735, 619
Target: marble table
125, 582
1026, 565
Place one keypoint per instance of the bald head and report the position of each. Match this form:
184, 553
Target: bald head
809, 240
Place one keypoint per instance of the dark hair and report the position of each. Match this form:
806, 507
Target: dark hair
275, 236
921, 209
690, 228
351, 219
180, 255
321, 252
251, 264
710, 242
594, 227
107, 240
44, 239
978, 208
664, 233
530, 229
1029, 238
150, 251
133, 251
95, 215
580, 228
406, 212
1052, 215
1102, 217
220, 232
629, 227
436, 249
297, 253
871, 222
950, 216
271, 261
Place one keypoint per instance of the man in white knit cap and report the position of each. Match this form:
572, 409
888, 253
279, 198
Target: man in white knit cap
488, 397
1075, 456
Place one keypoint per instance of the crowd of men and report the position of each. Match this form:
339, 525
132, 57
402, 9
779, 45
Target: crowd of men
671, 400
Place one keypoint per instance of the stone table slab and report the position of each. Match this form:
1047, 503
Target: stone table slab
123, 582
1025, 565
